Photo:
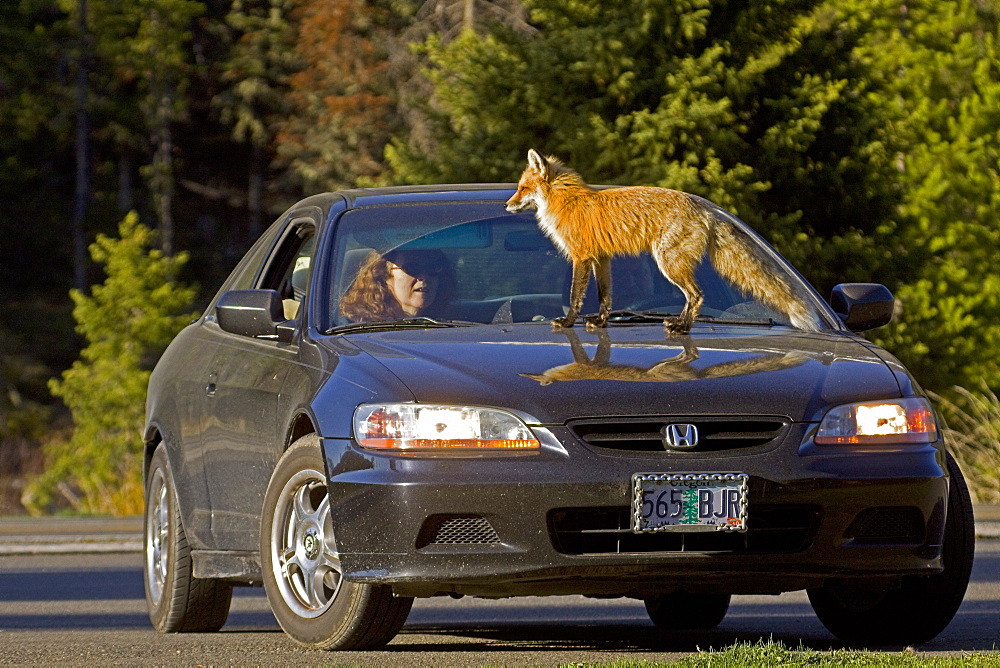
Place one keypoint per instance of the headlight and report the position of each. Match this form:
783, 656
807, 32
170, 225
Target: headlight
431, 427
874, 422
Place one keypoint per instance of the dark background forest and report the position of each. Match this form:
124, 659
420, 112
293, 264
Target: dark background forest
862, 137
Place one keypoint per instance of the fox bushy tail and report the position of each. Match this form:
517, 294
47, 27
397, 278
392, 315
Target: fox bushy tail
739, 260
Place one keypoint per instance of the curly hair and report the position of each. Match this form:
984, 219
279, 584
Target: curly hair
369, 298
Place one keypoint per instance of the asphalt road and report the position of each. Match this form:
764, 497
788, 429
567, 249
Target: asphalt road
88, 609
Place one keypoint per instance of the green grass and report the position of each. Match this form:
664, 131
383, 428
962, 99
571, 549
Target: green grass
972, 427
767, 653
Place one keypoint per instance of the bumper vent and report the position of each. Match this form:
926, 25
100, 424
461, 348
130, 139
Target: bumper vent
770, 530
457, 530
904, 524
646, 435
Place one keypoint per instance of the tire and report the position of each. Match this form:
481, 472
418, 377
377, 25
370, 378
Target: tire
924, 605
301, 567
177, 601
684, 611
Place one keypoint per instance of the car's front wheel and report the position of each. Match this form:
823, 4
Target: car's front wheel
300, 563
923, 605
177, 601
682, 611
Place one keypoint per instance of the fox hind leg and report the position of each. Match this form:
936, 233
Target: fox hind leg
682, 323
678, 268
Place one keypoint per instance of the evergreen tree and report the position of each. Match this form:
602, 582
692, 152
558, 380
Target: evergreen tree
690, 501
146, 44
441, 21
126, 322
260, 58
759, 107
942, 62
34, 148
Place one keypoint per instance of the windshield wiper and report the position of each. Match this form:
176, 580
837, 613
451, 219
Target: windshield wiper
420, 322
758, 322
625, 315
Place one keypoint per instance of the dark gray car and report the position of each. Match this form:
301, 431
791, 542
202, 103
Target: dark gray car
376, 407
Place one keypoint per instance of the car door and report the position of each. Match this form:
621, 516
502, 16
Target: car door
245, 431
195, 382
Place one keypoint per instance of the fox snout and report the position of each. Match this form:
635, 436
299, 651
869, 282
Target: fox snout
516, 203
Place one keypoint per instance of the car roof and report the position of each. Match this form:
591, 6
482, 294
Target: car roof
401, 195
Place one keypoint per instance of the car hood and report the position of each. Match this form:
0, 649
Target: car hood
551, 376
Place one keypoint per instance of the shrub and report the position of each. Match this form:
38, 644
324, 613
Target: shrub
126, 321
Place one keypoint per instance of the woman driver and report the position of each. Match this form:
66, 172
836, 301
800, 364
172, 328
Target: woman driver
400, 284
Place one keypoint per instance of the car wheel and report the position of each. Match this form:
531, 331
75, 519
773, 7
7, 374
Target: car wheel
924, 605
177, 601
681, 610
300, 564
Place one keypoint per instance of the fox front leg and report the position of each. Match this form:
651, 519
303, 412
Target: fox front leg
578, 286
602, 271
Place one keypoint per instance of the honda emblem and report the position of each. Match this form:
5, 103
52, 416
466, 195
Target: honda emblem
680, 436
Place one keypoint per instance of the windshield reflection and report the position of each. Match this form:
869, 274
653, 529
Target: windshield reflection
680, 367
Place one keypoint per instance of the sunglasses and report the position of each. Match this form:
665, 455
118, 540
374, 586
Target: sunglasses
418, 268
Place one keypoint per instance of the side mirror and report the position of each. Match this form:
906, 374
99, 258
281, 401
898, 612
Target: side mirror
862, 306
254, 313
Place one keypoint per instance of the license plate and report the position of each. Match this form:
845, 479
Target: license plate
689, 502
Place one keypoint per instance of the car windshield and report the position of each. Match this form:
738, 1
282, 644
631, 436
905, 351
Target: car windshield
423, 265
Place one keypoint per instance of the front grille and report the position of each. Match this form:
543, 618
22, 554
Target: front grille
770, 530
457, 530
904, 524
646, 434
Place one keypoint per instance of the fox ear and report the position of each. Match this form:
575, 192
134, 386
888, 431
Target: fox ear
537, 162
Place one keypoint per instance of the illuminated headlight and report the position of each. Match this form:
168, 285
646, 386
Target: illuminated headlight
873, 422
430, 427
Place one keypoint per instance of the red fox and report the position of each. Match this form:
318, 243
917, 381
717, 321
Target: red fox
590, 226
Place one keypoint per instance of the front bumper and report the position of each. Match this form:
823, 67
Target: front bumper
550, 523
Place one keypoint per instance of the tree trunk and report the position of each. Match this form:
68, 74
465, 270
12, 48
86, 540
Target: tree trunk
166, 195
124, 184
82, 195
469, 15
162, 181
255, 192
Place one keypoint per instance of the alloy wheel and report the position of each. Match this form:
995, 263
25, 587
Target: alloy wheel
304, 554
157, 536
